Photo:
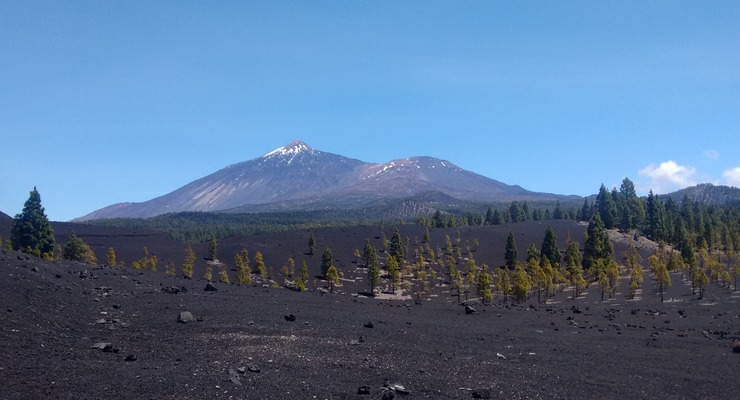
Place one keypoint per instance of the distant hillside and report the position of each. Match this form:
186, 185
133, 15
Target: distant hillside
6, 224
297, 177
706, 193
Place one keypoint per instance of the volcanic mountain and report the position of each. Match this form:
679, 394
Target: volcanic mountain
298, 177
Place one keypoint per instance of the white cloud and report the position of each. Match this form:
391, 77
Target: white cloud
732, 176
711, 154
669, 176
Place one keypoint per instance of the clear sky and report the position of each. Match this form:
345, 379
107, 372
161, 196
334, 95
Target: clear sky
104, 102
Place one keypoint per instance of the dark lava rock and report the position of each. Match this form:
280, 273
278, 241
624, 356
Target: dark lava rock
736, 347
368, 325
185, 317
253, 368
469, 310
388, 394
363, 390
234, 377
130, 358
482, 394
34, 269
174, 289
210, 287
290, 317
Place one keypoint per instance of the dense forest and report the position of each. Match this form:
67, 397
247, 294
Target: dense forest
706, 217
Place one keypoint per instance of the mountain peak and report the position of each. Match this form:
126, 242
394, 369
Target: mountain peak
291, 149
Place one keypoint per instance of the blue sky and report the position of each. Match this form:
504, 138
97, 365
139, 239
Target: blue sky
105, 102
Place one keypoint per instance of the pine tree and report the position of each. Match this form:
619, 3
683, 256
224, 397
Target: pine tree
597, 245
510, 256
607, 207
332, 275
304, 272
77, 250
311, 245
396, 247
327, 260
243, 272
110, 257
188, 265
658, 266
213, 249
656, 223
550, 248
503, 284
484, 286
521, 284
373, 272
224, 275
31, 232
259, 265
392, 267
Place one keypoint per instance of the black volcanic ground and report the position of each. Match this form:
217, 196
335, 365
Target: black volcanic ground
55, 312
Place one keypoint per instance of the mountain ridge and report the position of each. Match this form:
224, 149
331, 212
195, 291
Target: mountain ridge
297, 176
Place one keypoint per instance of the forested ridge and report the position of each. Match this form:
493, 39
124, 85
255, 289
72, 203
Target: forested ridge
710, 222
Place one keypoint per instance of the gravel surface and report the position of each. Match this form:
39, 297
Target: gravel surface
74, 331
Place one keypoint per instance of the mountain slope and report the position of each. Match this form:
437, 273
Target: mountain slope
296, 176
706, 193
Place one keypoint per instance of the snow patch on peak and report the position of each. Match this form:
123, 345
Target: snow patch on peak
292, 149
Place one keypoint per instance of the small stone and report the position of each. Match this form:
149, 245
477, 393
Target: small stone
101, 321
130, 358
34, 269
388, 394
102, 346
290, 317
469, 309
354, 342
500, 356
210, 287
241, 370
234, 377
363, 390
185, 317
369, 325
400, 389
482, 394
253, 368
736, 347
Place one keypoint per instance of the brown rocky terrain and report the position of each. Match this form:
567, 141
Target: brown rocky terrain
81, 331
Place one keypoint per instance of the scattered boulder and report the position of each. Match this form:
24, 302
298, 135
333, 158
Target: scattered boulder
234, 377
363, 390
469, 309
482, 394
736, 347
368, 325
102, 346
290, 318
105, 347
210, 287
174, 289
185, 317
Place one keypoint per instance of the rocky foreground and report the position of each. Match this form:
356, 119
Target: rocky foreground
73, 331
